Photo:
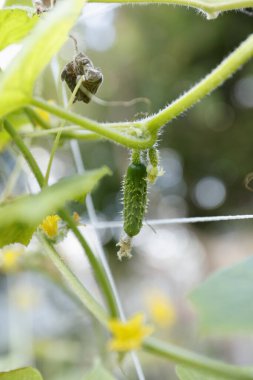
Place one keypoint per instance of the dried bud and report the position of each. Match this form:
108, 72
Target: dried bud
81, 66
43, 5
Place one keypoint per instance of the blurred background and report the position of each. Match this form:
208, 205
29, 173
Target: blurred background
157, 52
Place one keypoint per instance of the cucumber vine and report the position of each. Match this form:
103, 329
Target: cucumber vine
53, 22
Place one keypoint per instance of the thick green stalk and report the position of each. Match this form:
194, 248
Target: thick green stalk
189, 359
211, 7
99, 272
95, 263
84, 296
25, 152
135, 135
146, 129
213, 80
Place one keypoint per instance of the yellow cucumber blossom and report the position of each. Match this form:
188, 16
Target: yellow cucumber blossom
161, 309
153, 172
129, 335
10, 259
25, 297
43, 114
76, 217
50, 225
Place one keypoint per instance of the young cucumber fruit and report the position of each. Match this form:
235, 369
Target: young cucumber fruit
135, 198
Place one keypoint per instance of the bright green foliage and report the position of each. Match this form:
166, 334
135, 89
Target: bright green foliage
21, 374
16, 83
98, 372
185, 373
17, 119
16, 233
224, 301
26, 3
135, 198
15, 24
19, 218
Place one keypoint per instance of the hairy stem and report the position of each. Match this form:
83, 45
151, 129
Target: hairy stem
145, 130
210, 7
213, 80
95, 263
190, 359
135, 135
25, 152
81, 292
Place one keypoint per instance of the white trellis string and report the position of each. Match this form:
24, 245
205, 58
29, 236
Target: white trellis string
160, 222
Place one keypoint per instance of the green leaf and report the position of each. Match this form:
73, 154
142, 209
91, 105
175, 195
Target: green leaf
20, 218
27, 3
18, 119
15, 25
98, 372
16, 83
21, 374
185, 373
224, 301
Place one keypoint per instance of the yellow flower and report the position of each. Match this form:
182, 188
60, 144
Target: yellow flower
128, 335
50, 225
24, 296
10, 259
76, 217
161, 309
153, 172
44, 115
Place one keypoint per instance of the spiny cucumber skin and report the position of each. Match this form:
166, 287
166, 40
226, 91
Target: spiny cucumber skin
135, 198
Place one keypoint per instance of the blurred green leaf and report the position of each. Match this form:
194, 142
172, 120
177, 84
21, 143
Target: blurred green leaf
15, 25
16, 83
98, 372
224, 301
18, 119
185, 373
21, 374
27, 3
20, 218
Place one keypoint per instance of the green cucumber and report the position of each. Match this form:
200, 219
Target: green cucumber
135, 198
